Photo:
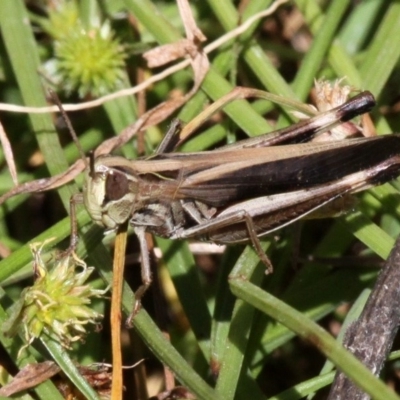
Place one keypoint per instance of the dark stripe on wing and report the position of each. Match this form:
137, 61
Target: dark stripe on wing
299, 172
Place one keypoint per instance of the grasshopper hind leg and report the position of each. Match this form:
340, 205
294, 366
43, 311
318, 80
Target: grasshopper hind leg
255, 241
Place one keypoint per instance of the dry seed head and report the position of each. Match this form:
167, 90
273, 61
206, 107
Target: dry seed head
329, 95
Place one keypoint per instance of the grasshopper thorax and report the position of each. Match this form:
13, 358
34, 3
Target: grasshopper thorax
108, 193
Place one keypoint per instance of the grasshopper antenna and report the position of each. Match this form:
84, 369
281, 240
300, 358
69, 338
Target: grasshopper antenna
66, 119
91, 165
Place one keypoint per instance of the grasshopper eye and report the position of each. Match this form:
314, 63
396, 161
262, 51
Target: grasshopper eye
117, 186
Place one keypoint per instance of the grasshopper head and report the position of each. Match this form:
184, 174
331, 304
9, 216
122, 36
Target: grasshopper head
109, 195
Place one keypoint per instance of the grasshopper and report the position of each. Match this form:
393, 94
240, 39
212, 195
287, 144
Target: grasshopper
240, 192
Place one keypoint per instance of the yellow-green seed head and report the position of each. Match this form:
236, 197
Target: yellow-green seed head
57, 301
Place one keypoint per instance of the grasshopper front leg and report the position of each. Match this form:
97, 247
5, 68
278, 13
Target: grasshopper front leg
146, 274
75, 199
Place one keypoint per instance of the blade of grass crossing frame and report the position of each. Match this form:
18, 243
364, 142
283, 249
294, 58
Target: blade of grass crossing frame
116, 300
309, 330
